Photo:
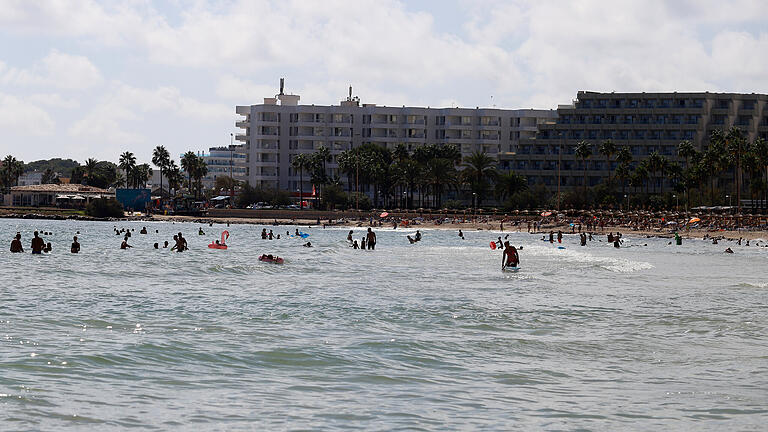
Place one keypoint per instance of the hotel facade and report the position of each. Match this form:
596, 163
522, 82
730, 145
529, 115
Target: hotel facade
645, 122
278, 129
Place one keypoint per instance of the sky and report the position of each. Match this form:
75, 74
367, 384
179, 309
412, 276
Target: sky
82, 78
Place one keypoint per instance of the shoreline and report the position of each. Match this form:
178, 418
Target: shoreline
492, 226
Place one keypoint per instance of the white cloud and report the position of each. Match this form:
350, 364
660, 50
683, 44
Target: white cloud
60, 70
54, 100
19, 117
177, 69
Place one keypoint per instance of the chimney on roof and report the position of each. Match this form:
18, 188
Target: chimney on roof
282, 85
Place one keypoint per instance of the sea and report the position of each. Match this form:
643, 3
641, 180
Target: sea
425, 336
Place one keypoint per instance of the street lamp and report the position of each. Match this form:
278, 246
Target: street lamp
676, 202
405, 200
627, 198
231, 155
559, 161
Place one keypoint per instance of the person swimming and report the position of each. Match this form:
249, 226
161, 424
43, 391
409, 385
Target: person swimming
728, 250
143, 230
461, 234
349, 236
411, 240
417, 237
48, 248
510, 257
37, 244
16, 246
200, 231
124, 244
371, 239
355, 245
308, 244
156, 246
75, 248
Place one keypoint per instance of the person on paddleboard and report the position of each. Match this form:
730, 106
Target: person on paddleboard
510, 257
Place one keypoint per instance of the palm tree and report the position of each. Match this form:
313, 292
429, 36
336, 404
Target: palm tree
142, 174
161, 159
439, 173
128, 164
584, 151
479, 169
508, 184
90, 169
608, 149
760, 149
175, 177
300, 162
653, 165
12, 170
735, 144
189, 164
623, 173
686, 151
199, 170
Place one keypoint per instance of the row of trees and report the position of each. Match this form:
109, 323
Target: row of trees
728, 163
401, 177
192, 164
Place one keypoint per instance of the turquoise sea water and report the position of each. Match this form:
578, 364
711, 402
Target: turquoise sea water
430, 336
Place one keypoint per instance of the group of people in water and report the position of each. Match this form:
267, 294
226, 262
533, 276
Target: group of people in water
38, 245
368, 242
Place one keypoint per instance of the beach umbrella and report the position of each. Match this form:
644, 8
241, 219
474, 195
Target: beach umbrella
546, 213
385, 214
694, 220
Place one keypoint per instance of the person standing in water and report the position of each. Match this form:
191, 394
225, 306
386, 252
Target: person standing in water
461, 234
349, 236
75, 248
37, 244
559, 236
551, 237
16, 246
510, 258
370, 238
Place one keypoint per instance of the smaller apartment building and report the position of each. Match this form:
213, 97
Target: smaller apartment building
225, 161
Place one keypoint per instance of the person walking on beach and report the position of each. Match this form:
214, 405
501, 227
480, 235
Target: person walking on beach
37, 244
16, 246
510, 258
371, 239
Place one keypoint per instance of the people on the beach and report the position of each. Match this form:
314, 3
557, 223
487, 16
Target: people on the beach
16, 246
75, 247
551, 236
37, 244
371, 239
559, 236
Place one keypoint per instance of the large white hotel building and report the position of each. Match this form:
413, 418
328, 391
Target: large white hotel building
276, 130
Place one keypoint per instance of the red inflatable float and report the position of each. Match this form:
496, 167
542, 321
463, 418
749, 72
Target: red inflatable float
222, 244
271, 259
